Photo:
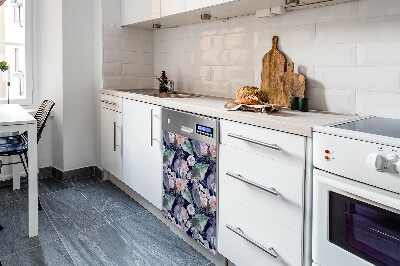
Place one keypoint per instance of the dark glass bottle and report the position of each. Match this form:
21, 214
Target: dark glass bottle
163, 78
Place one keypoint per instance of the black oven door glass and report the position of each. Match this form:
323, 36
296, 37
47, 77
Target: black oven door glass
367, 231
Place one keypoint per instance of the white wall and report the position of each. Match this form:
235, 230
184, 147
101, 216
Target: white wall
349, 53
50, 78
66, 75
78, 83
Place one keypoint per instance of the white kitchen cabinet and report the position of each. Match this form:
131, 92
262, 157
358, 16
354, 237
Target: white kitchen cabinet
134, 11
261, 188
111, 138
142, 145
172, 7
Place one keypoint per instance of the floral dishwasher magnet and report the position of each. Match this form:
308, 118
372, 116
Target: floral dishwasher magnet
190, 179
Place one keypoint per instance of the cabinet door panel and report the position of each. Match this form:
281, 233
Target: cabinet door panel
142, 150
134, 11
111, 152
192, 5
172, 7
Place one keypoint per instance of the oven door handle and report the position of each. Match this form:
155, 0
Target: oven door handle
366, 192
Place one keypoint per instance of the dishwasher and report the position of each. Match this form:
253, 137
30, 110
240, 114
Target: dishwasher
190, 174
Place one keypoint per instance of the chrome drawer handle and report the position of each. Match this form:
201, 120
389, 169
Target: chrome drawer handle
239, 177
240, 233
108, 102
267, 145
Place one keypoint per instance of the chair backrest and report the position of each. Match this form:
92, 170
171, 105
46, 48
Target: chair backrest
41, 116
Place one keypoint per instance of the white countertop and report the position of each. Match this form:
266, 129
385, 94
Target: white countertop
13, 114
299, 123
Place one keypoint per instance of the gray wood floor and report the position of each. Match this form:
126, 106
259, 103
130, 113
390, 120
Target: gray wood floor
87, 222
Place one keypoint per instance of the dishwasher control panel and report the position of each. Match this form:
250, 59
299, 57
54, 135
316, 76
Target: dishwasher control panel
205, 130
193, 126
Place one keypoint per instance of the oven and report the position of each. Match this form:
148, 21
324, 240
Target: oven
354, 223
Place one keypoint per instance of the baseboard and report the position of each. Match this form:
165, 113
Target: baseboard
83, 172
51, 171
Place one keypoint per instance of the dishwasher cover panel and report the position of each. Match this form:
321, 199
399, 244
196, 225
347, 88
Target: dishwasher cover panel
190, 187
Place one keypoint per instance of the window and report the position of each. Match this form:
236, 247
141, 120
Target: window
16, 49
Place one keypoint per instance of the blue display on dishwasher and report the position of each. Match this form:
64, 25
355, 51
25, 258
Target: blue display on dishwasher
204, 130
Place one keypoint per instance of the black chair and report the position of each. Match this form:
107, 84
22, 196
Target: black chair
18, 145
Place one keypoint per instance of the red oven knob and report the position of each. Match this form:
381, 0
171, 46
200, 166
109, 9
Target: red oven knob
327, 151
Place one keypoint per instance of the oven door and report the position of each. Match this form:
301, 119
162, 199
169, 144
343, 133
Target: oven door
353, 223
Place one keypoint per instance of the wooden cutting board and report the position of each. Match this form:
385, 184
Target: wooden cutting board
273, 68
292, 85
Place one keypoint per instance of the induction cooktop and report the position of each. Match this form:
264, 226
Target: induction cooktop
386, 127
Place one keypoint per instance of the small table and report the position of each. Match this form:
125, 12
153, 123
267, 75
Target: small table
15, 118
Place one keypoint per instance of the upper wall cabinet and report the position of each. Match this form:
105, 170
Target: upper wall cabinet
172, 7
135, 11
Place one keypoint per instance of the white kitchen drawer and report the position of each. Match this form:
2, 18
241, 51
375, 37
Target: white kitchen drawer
285, 243
274, 144
267, 186
111, 102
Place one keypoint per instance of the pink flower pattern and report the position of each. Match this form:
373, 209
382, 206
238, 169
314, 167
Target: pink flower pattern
180, 185
213, 151
180, 139
184, 166
213, 203
203, 199
190, 201
184, 214
203, 148
171, 137
171, 181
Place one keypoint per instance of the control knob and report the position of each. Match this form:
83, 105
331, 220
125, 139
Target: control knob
393, 158
378, 162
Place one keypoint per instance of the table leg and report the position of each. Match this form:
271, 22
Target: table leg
16, 173
32, 181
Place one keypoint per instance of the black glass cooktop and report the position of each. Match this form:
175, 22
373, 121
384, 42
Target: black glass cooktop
375, 125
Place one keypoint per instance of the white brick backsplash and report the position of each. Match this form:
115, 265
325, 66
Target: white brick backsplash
116, 56
349, 54
222, 57
339, 101
145, 35
381, 29
244, 40
145, 82
288, 36
380, 104
160, 59
137, 70
378, 79
322, 55
213, 88
111, 43
382, 54
185, 58
137, 45
112, 69
184, 85
240, 57
231, 73
196, 43
146, 58
374, 8
209, 28
195, 72
128, 60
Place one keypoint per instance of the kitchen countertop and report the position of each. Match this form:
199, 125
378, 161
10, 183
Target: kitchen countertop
299, 123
